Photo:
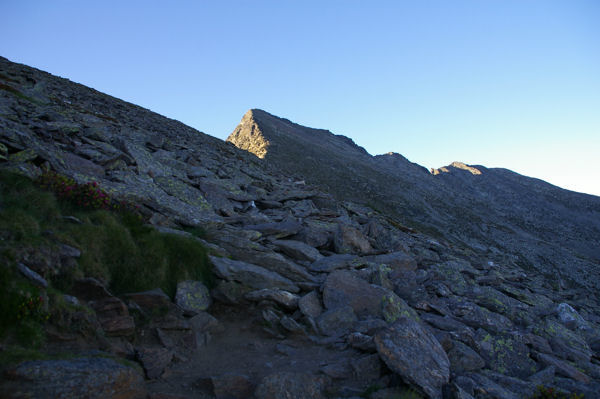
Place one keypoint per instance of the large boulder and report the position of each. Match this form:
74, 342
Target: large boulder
412, 351
344, 288
348, 239
192, 296
250, 275
89, 378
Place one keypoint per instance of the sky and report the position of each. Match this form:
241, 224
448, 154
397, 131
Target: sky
499, 83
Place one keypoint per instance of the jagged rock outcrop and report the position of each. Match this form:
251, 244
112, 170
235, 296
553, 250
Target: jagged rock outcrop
529, 223
316, 296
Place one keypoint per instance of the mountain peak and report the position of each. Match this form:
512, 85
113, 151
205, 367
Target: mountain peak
457, 165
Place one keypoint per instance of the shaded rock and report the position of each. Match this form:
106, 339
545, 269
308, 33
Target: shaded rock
192, 297
230, 292
343, 288
348, 239
292, 386
297, 250
458, 330
333, 262
251, 275
94, 378
463, 358
411, 351
291, 325
204, 322
506, 354
478, 317
339, 370
498, 302
310, 305
367, 368
543, 377
113, 316
337, 321
569, 317
563, 368
153, 301
565, 343
281, 297
32, 276
362, 342
316, 233
485, 387
89, 289
398, 261
154, 360
232, 386
279, 230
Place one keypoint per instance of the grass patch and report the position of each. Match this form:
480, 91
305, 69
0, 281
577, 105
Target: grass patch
116, 248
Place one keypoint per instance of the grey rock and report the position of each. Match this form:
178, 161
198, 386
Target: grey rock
292, 386
281, 297
154, 360
343, 288
336, 321
348, 239
32, 276
506, 354
310, 305
463, 359
78, 378
278, 230
563, 368
192, 296
333, 262
569, 317
297, 250
485, 386
361, 342
251, 275
412, 351
397, 261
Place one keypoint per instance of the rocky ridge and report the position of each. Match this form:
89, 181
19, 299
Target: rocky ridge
315, 297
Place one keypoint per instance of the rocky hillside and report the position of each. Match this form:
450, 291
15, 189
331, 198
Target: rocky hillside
321, 285
535, 225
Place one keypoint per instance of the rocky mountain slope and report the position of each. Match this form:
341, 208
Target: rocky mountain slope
324, 287
535, 225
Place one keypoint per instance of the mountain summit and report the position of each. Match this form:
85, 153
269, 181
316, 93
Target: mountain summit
534, 224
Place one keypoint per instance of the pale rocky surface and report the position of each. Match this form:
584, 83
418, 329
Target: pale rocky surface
492, 276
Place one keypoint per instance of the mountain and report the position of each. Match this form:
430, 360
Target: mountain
538, 226
141, 258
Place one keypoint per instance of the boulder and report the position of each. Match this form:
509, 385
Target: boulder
348, 239
333, 262
411, 351
310, 305
79, 378
463, 358
281, 297
154, 360
398, 261
343, 288
193, 297
506, 354
297, 250
250, 275
337, 321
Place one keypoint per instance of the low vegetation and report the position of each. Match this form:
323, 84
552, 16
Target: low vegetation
38, 217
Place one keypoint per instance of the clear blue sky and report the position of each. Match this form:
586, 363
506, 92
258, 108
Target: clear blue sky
503, 83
